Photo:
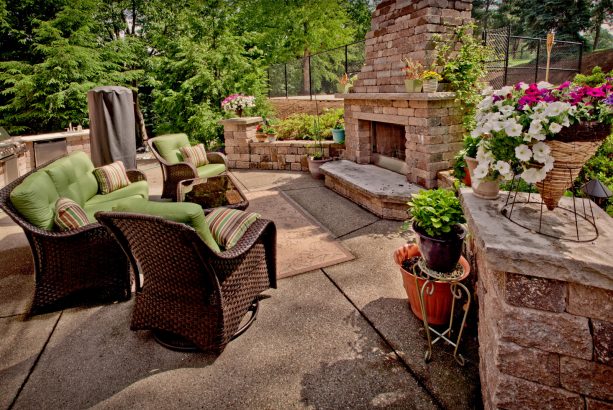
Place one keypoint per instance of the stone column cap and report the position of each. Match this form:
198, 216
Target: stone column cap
512, 248
447, 95
241, 121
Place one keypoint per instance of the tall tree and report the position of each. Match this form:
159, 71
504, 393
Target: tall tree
602, 13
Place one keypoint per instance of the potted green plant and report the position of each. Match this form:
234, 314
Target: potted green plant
271, 133
345, 83
436, 217
430, 79
413, 70
260, 134
338, 131
316, 158
467, 153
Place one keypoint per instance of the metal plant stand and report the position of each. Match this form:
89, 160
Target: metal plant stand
420, 270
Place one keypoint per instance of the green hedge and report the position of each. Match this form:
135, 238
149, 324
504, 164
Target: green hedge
304, 126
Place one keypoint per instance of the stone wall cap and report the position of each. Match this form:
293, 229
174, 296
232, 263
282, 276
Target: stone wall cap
242, 120
398, 96
53, 136
512, 248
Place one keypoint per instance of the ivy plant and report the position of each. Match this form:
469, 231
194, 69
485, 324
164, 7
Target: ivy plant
436, 211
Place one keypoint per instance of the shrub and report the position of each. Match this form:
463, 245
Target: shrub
305, 126
436, 211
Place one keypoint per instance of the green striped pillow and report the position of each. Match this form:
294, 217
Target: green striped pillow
69, 215
195, 155
111, 177
228, 225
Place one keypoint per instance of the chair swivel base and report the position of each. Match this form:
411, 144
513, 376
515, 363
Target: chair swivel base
178, 343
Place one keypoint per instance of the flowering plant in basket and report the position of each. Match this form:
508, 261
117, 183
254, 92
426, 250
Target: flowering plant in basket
521, 125
237, 102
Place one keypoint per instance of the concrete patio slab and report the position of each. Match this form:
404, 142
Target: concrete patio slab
308, 348
259, 180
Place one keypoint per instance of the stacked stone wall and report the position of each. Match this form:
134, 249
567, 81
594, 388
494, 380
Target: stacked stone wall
244, 151
405, 28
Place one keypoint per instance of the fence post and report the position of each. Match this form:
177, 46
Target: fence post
269, 83
538, 55
346, 64
506, 55
310, 82
285, 69
580, 57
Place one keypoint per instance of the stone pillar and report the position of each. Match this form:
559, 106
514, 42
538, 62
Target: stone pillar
545, 313
405, 28
238, 132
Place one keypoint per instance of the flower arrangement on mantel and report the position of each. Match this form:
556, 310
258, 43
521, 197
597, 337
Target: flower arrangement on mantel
412, 69
523, 127
238, 103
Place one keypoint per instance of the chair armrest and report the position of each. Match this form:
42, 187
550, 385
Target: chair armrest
182, 170
217, 158
135, 175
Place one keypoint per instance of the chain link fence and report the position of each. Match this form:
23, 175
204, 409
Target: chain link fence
519, 58
316, 74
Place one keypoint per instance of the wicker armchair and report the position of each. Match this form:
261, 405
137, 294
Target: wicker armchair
190, 292
73, 265
173, 173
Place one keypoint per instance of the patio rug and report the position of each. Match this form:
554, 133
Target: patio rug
303, 244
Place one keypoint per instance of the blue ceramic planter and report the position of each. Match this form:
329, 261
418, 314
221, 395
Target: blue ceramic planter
338, 136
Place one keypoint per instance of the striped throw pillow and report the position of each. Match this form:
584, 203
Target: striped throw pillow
111, 177
69, 215
195, 155
228, 225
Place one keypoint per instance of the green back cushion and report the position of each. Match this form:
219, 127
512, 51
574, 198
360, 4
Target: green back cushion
35, 199
169, 146
184, 212
73, 177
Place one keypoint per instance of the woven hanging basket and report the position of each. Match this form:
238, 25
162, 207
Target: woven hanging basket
571, 149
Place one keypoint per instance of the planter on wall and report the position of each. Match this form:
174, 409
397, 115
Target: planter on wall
314, 165
430, 86
338, 135
487, 189
413, 86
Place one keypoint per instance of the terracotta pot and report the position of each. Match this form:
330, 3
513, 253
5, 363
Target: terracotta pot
314, 165
441, 254
260, 136
466, 179
438, 305
487, 189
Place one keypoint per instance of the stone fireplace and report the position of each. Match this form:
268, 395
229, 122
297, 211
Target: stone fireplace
415, 134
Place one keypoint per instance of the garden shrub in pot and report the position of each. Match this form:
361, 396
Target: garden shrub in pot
437, 217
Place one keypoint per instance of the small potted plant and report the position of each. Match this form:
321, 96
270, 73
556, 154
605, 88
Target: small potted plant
317, 158
465, 155
431, 79
413, 70
345, 83
260, 134
271, 134
437, 217
238, 103
338, 131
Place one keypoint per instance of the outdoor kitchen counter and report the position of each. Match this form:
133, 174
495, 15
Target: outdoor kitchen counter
54, 136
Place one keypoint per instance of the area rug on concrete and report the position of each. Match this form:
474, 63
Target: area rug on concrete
303, 244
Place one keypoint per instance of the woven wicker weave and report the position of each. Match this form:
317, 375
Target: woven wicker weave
188, 289
173, 173
72, 265
569, 158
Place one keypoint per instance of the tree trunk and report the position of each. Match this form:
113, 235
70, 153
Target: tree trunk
596, 37
140, 120
306, 73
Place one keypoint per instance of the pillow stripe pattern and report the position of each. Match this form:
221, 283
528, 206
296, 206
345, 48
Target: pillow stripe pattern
111, 177
69, 215
195, 155
228, 225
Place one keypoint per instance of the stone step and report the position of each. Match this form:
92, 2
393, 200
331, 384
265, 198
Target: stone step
382, 192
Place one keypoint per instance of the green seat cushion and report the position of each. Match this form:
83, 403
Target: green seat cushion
140, 188
73, 177
35, 199
184, 212
211, 170
169, 145
90, 209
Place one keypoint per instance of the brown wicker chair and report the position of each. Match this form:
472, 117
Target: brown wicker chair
73, 266
174, 173
189, 292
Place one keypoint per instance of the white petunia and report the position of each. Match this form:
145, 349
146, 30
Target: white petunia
504, 91
530, 175
503, 168
523, 152
548, 164
554, 127
497, 125
481, 170
484, 156
566, 122
507, 110
485, 103
539, 137
544, 84
541, 151
535, 127
512, 128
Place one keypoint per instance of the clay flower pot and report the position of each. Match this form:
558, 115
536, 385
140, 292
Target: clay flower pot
413, 86
314, 165
438, 305
260, 136
487, 189
441, 254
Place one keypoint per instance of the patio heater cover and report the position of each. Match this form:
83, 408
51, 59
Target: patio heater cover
112, 132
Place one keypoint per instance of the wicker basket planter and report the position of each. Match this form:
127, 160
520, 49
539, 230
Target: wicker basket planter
571, 149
